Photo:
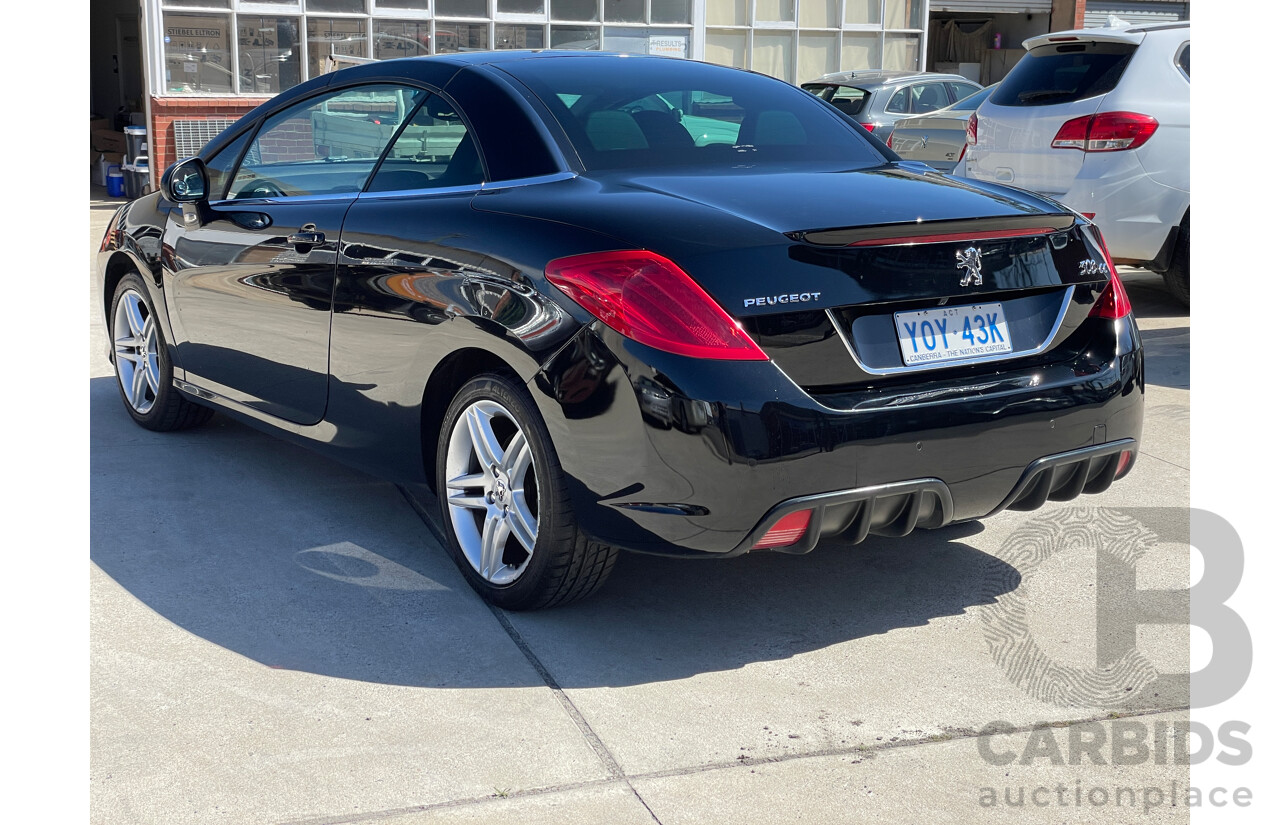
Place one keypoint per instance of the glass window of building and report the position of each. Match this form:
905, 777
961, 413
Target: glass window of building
239, 47
462, 8
461, 37
521, 6
624, 11
269, 54
197, 54
401, 38
518, 37
588, 10
338, 36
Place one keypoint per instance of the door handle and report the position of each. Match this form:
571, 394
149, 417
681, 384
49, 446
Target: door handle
306, 236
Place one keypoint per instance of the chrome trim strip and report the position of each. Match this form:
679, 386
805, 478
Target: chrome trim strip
498, 185
1002, 356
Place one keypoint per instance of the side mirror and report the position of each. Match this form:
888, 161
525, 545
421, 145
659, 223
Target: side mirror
186, 181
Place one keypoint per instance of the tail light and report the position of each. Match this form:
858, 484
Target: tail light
1126, 462
971, 130
870, 127
649, 299
786, 531
1106, 132
889, 142
1113, 303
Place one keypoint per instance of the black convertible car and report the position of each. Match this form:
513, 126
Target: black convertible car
606, 301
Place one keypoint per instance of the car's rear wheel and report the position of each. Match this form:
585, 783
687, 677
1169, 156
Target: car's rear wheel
141, 359
505, 502
1177, 278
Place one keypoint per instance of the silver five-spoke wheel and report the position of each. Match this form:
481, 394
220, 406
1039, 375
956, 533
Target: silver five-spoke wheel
136, 351
492, 492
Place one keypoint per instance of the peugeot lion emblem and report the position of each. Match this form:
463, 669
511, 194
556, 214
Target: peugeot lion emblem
970, 260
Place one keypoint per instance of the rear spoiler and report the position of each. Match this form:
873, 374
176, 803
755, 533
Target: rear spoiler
897, 234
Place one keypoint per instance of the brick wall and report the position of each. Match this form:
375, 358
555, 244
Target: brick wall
165, 110
288, 140
1066, 15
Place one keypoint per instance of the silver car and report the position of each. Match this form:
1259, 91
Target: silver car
938, 139
878, 99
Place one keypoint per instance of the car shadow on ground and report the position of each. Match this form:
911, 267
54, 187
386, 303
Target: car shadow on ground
1166, 355
1166, 345
297, 562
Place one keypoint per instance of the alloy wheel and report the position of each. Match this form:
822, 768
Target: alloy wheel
136, 351
491, 488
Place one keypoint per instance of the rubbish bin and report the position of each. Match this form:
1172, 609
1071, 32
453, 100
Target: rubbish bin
135, 140
137, 178
115, 181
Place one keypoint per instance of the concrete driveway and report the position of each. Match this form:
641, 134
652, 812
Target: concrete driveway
278, 639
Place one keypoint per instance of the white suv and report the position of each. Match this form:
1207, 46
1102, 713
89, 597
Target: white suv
1100, 119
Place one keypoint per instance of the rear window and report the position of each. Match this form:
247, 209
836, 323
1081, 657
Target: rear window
1063, 73
848, 99
637, 113
973, 101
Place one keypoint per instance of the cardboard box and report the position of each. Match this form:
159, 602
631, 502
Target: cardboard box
113, 158
96, 123
108, 140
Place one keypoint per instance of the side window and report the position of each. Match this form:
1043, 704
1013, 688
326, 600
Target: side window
959, 91
433, 151
221, 165
900, 103
928, 97
324, 145
1184, 59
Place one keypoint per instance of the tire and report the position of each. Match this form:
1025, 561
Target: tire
141, 358
1177, 278
505, 503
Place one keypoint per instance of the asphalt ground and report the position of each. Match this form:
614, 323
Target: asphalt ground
276, 638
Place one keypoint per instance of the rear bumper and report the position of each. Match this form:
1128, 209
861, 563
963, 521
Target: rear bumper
897, 509
671, 456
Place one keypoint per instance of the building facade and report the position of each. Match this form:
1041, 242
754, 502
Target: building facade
203, 63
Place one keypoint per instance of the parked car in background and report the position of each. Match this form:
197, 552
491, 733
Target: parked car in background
1100, 119
878, 99
938, 139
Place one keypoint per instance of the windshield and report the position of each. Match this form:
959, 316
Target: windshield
637, 113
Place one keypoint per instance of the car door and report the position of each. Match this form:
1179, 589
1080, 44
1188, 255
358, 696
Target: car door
251, 283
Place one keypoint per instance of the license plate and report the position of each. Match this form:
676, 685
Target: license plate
930, 336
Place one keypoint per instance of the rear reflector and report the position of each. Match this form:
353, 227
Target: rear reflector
1105, 132
786, 531
1113, 303
952, 237
649, 299
1126, 461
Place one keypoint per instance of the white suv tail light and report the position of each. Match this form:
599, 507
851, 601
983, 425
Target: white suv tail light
1106, 132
